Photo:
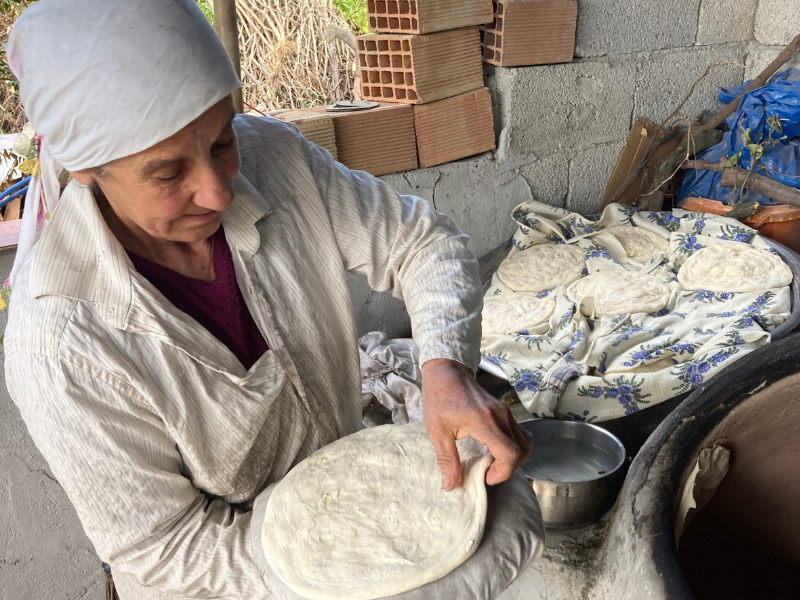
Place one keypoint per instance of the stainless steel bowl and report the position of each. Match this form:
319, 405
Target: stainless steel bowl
575, 470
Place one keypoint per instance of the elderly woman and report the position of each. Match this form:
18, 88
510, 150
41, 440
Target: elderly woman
181, 333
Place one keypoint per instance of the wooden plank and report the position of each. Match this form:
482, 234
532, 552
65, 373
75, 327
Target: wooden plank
9, 234
228, 32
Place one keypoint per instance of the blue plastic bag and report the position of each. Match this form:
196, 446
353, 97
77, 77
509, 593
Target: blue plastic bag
781, 97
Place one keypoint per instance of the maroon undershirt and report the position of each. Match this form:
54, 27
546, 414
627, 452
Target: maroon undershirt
217, 305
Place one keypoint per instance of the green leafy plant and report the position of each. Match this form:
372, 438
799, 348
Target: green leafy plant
208, 10
355, 13
756, 152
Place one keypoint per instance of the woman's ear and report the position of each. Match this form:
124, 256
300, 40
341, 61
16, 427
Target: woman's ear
82, 177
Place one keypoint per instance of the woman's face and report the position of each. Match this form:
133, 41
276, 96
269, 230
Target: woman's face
176, 190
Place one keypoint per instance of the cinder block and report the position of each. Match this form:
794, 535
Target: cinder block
566, 106
609, 27
530, 32
777, 21
548, 178
412, 69
454, 128
664, 79
426, 16
723, 21
316, 128
589, 171
479, 196
379, 140
759, 57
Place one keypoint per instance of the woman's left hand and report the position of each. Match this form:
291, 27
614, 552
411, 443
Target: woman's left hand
455, 407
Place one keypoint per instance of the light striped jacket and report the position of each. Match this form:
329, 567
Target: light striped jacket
157, 433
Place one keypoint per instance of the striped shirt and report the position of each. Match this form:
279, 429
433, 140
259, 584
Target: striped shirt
156, 431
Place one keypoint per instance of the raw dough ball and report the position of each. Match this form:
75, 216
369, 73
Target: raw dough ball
734, 267
619, 292
640, 244
511, 313
541, 267
366, 517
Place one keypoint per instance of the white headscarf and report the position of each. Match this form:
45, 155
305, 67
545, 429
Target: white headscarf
105, 79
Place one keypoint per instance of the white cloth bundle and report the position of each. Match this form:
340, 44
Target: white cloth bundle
105, 79
390, 371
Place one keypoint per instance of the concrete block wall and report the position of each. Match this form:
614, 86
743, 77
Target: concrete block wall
560, 127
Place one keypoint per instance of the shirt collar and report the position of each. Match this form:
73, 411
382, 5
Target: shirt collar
78, 257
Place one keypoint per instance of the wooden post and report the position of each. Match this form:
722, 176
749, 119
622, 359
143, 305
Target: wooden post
228, 32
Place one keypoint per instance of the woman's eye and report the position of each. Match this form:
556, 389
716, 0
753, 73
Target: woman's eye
221, 146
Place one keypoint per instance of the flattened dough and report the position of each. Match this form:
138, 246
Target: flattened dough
365, 517
511, 313
541, 267
619, 292
640, 244
734, 267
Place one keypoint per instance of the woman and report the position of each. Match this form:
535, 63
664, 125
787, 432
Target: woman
181, 334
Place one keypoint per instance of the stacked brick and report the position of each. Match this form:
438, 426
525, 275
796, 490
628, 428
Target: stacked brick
379, 141
530, 32
423, 65
427, 53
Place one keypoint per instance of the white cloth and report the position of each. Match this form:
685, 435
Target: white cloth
155, 430
105, 79
390, 371
513, 540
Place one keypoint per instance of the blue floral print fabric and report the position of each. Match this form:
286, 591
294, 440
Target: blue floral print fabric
593, 369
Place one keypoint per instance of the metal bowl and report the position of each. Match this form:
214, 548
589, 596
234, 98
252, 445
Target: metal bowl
575, 470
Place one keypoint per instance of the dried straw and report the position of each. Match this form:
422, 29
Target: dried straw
12, 117
287, 58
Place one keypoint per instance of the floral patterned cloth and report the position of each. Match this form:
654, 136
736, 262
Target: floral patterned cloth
587, 369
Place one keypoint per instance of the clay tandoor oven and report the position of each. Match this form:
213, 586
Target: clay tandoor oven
745, 544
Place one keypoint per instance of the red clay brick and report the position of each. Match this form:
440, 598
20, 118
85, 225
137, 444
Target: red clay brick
379, 141
413, 69
454, 128
426, 16
530, 32
315, 127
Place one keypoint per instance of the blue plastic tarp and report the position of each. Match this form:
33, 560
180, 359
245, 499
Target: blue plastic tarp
780, 161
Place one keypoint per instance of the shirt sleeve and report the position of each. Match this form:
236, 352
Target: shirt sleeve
122, 471
405, 246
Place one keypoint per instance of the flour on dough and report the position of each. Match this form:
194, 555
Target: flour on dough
511, 313
734, 267
366, 517
541, 267
640, 245
609, 293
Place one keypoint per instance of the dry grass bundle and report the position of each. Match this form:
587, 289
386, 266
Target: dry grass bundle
289, 59
12, 117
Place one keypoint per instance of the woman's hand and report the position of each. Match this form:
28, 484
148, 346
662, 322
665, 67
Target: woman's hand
454, 407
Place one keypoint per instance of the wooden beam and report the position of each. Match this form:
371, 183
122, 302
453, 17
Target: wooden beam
228, 32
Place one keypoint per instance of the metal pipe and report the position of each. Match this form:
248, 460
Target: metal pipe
14, 187
14, 196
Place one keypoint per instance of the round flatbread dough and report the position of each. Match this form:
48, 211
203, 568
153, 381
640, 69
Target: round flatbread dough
511, 313
618, 293
640, 245
734, 267
541, 267
366, 517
